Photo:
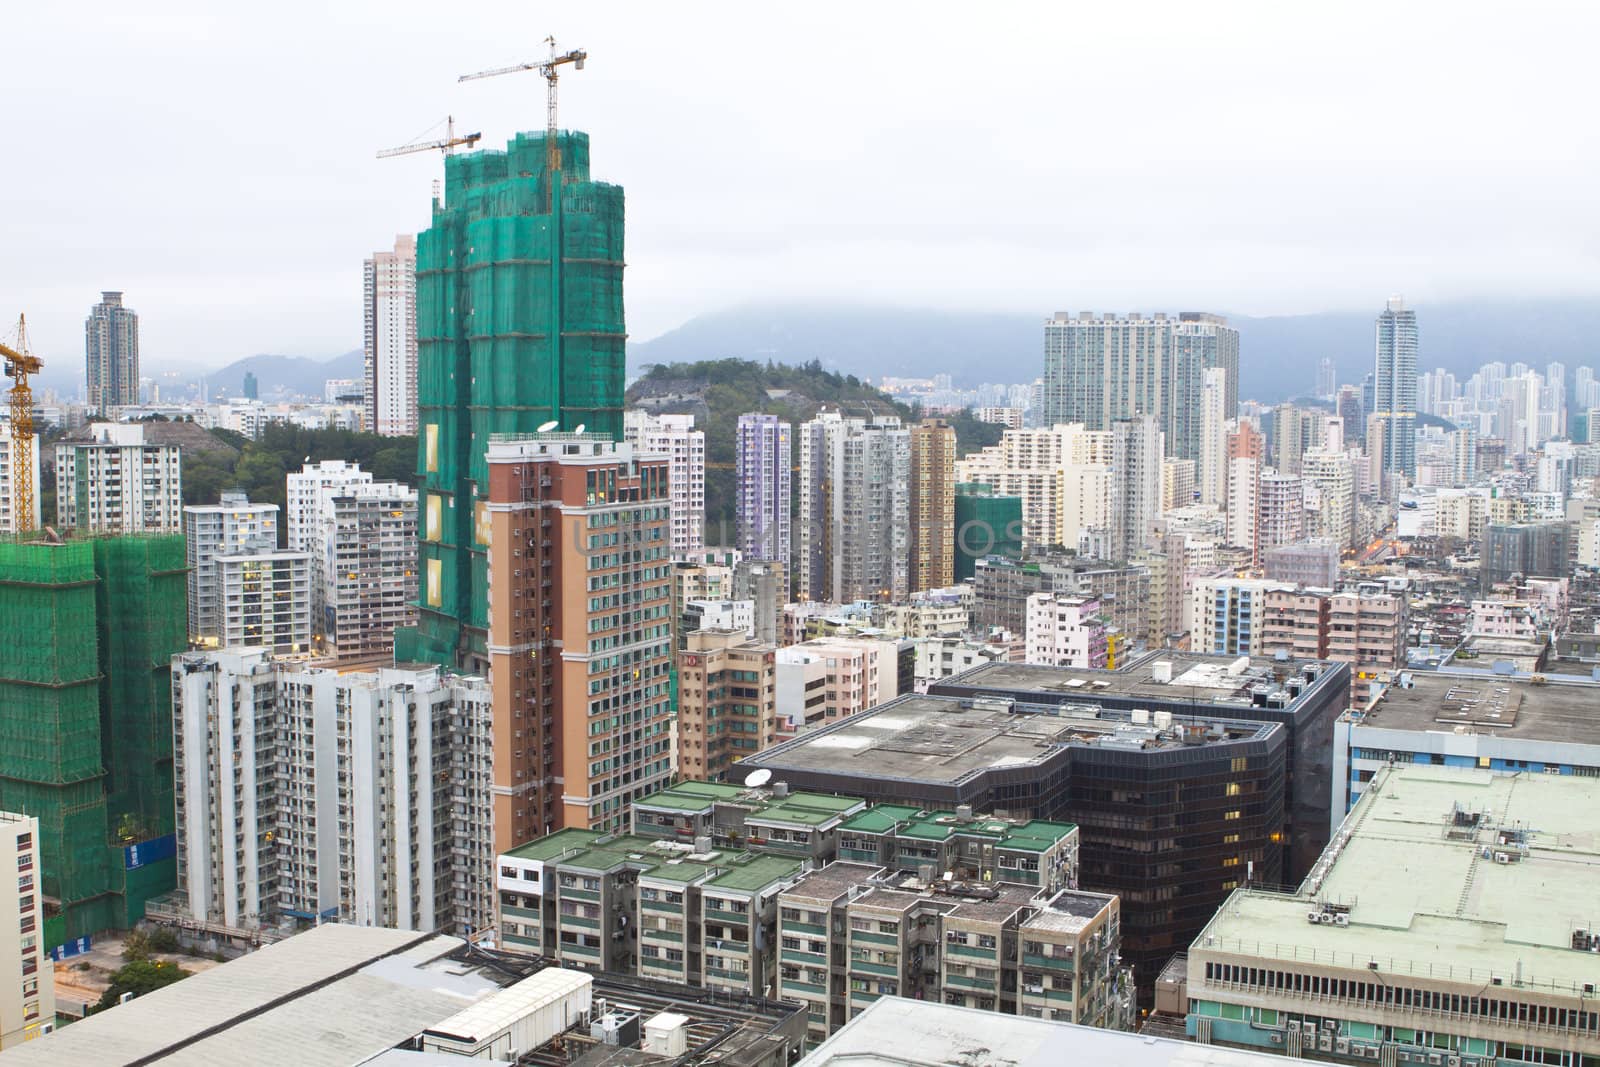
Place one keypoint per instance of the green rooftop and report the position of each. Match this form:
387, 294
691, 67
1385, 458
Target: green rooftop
728, 868
1035, 835
553, 845
760, 871
797, 809
692, 796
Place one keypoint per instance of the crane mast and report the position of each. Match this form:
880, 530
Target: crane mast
550, 67
19, 364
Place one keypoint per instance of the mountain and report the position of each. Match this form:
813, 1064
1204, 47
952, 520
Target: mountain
1278, 355
294, 375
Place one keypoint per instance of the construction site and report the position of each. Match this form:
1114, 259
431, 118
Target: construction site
519, 330
85, 718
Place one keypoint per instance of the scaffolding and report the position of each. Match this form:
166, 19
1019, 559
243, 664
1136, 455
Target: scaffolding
519, 323
85, 718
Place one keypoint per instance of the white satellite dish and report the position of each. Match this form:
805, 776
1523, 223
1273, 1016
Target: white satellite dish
757, 779
579, 429
546, 427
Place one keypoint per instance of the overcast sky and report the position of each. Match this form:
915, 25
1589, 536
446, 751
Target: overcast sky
216, 160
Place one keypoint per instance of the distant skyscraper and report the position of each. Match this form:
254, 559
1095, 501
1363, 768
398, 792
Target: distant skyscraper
1325, 379
1213, 465
251, 386
111, 354
764, 453
675, 437
1348, 405
1135, 484
1395, 386
933, 505
1099, 369
389, 304
855, 494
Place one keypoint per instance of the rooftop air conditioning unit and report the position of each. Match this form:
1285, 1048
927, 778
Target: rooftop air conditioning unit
1276, 1039
1341, 920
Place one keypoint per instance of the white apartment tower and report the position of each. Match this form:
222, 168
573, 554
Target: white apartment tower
364, 567
855, 509
8, 482
1212, 465
675, 437
113, 481
211, 531
27, 990
389, 294
303, 497
1135, 484
1244, 472
264, 598
309, 795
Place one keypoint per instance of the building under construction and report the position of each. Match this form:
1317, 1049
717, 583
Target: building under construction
519, 325
86, 719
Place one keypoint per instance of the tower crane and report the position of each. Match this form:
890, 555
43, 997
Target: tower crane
450, 142
550, 67
19, 364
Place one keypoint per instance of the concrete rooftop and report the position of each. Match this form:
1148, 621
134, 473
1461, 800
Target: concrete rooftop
1503, 707
1409, 862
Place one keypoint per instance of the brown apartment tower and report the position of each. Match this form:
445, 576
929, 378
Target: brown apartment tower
933, 505
580, 631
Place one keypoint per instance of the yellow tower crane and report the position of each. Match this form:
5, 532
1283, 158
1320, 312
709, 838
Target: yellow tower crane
550, 67
449, 143
19, 364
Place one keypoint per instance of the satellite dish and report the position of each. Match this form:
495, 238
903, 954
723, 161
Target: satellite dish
546, 427
579, 429
757, 779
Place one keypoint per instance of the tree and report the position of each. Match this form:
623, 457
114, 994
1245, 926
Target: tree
140, 977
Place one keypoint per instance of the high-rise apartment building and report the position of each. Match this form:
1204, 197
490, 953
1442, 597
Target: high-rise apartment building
675, 437
1065, 631
264, 598
764, 453
389, 306
1348, 407
1329, 481
213, 530
28, 990
109, 479
727, 701
364, 567
85, 727
1061, 475
314, 796
303, 497
1211, 471
519, 323
580, 630
1280, 508
1230, 615
933, 505
8, 482
1177, 483
111, 354
1395, 386
1101, 369
1244, 475
855, 497
1135, 484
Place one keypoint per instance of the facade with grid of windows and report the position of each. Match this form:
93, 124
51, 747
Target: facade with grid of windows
853, 933
27, 976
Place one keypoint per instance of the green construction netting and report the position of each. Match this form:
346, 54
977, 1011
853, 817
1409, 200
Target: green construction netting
85, 714
519, 322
